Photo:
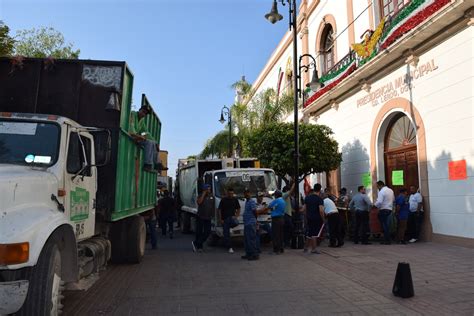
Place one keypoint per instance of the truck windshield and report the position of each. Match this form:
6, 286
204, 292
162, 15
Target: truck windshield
254, 180
26, 143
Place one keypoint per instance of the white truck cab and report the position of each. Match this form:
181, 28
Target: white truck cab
48, 184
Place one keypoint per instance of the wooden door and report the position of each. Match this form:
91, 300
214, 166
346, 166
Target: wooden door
401, 159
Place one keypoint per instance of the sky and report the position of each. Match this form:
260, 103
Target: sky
184, 54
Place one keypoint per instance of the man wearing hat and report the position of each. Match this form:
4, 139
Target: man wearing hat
206, 203
277, 207
139, 132
250, 227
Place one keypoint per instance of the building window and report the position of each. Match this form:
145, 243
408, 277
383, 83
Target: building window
327, 49
391, 7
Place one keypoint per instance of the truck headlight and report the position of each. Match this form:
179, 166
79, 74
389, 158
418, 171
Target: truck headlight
14, 253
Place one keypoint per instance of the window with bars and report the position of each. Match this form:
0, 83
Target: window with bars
391, 7
327, 49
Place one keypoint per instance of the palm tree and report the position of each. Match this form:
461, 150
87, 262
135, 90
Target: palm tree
249, 112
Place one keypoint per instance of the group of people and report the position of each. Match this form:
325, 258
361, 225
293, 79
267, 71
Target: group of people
407, 210
164, 214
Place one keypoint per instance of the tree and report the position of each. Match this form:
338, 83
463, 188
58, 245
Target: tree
273, 145
6, 41
44, 42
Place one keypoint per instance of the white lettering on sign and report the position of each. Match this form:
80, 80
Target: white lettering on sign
398, 86
18, 128
243, 174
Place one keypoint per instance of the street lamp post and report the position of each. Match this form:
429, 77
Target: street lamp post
225, 111
274, 17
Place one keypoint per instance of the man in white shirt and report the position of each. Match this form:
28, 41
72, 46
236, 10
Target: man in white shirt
415, 217
384, 203
334, 223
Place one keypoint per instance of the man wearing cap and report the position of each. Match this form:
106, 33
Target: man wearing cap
250, 227
205, 212
277, 207
139, 132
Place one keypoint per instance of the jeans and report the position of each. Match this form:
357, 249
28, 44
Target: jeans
151, 154
335, 230
250, 240
152, 229
203, 230
384, 217
288, 230
166, 223
262, 227
226, 228
361, 226
415, 219
277, 233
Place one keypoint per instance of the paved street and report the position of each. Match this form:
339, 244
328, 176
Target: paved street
354, 280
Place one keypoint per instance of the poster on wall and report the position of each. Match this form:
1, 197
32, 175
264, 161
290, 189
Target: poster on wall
397, 177
457, 170
367, 180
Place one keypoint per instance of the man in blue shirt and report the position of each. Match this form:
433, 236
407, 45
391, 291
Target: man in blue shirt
250, 227
277, 207
403, 209
362, 204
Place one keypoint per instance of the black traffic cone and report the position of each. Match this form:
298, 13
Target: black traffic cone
403, 284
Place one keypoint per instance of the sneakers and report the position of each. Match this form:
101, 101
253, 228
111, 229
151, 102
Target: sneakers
412, 240
231, 250
200, 250
252, 258
244, 257
315, 251
194, 246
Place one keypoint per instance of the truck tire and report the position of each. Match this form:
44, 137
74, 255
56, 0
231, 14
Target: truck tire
185, 223
45, 284
136, 239
118, 240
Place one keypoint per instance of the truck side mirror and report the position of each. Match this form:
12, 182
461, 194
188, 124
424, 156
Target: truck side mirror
102, 146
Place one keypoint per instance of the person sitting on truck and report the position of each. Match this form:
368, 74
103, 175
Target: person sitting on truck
139, 132
204, 215
229, 210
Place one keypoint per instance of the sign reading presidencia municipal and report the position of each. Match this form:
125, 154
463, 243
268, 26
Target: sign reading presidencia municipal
398, 86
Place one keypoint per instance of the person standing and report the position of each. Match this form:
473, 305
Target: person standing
336, 236
262, 227
150, 221
415, 217
402, 209
288, 227
229, 210
250, 227
277, 207
384, 203
362, 204
314, 210
167, 213
204, 215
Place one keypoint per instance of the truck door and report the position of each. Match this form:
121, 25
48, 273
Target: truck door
80, 183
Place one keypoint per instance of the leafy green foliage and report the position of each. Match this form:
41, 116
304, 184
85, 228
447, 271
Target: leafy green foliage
44, 42
273, 145
6, 41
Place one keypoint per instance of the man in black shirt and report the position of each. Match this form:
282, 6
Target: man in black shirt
204, 215
314, 211
229, 209
167, 211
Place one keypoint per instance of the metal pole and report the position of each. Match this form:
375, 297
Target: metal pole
229, 116
296, 221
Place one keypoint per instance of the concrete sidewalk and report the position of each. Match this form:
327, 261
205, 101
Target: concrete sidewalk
353, 280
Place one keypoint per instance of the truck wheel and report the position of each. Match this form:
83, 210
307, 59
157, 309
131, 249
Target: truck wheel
117, 236
45, 288
136, 239
185, 223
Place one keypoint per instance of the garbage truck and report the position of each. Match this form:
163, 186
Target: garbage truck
221, 174
72, 186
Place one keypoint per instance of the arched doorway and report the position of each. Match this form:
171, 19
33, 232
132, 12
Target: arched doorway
400, 153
